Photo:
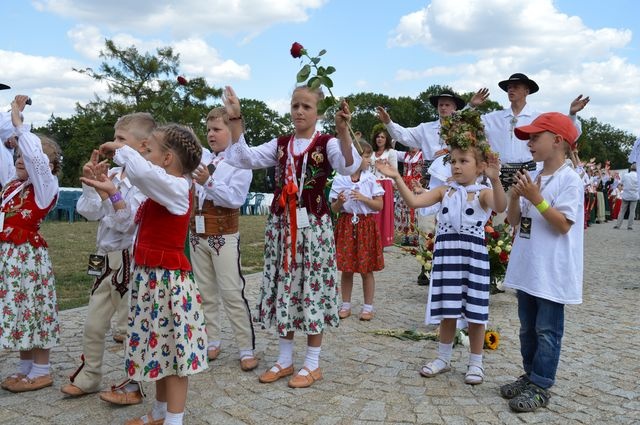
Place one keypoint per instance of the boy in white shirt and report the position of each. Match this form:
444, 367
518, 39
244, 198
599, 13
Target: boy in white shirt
546, 263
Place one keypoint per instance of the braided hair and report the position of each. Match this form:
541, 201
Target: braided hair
183, 141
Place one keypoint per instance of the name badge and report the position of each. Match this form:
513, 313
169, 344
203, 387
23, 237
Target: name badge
199, 224
1, 222
525, 227
302, 218
97, 264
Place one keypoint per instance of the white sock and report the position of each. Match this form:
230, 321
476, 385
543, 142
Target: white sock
214, 344
311, 360
159, 409
173, 418
285, 357
25, 366
475, 360
245, 354
345, 306
38, 370
131, 387
367, 308
445, 351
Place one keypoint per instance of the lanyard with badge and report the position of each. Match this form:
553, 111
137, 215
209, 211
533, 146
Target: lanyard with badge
525, 220
302, 216
8, 198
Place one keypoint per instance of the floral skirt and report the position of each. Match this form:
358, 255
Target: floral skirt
359, 249
27, 298
166, 334
304, 298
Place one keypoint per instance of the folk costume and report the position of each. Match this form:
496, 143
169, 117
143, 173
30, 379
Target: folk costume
299, 287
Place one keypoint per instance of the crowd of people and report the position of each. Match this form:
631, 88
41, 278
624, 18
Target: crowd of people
517, 163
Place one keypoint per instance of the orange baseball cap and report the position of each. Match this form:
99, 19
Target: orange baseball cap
555, 122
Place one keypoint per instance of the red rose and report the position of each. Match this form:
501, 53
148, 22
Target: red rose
495, 235
182, 81
296, 50
504, 257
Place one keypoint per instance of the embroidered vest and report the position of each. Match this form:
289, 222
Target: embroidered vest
161, 237
23, 217
317, 172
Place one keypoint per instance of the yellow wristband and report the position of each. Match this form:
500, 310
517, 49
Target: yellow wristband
543, 206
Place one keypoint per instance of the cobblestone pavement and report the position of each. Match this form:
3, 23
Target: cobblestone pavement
374, 379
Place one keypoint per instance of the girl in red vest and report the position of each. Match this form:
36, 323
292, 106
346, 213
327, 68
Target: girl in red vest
166, 340
27, 286
299, 288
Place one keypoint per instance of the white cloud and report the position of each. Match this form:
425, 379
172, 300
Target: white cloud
560, 52
50, 82
183, 18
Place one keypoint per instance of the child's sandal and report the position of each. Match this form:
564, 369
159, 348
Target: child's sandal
474, 375
434, 368
530, 399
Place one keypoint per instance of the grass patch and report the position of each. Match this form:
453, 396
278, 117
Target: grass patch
71, 243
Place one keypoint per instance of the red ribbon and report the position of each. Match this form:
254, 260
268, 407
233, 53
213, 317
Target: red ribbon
288, 201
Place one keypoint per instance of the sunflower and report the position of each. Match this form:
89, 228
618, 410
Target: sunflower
491, 339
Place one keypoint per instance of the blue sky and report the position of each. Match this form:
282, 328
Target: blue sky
398, 48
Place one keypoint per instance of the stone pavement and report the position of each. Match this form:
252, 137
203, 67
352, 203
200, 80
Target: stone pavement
374, 379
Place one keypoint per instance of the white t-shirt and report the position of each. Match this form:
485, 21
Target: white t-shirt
367, 185
549, 265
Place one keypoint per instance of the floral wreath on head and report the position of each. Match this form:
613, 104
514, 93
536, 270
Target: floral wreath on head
463, 130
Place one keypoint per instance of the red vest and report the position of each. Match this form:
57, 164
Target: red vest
317, 172
161, 237
23, 217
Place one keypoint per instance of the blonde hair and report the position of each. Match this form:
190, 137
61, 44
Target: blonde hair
318, 92
367, 149
51, 148
216, 113
140, 124
184, 142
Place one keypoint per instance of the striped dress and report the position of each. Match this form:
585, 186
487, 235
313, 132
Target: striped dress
460, 273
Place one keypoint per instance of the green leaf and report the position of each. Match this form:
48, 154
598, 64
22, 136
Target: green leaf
322, 52
315, 60
320, 70
314, 83
326, 81
330, 70
303, 74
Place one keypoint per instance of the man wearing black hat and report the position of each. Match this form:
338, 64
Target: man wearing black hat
499, 125
425, 136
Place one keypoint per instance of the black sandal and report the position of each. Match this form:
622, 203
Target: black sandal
530, 399
514, 388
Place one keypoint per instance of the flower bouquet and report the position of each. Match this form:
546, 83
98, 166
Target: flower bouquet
423, 253
499, 239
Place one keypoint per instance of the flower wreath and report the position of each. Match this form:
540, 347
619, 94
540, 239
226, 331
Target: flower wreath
463, 130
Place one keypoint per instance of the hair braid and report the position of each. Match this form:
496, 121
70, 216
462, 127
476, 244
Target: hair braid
183, 141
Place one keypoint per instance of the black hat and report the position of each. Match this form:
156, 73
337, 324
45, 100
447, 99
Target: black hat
519, 78
447, 94
4, 86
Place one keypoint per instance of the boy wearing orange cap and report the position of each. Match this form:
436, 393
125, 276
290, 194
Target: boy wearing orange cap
546, 263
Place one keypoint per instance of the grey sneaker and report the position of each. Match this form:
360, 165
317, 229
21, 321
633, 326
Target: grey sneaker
530, 399
514, 388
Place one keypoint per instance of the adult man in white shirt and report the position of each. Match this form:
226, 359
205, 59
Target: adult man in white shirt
499, 125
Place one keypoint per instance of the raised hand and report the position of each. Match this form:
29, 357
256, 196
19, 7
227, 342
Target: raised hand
201, 174
383, 115
343, 117
101, 183
385, 168
578, 104
231, 102
17, 106
527, 187
480, 97
493, 166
